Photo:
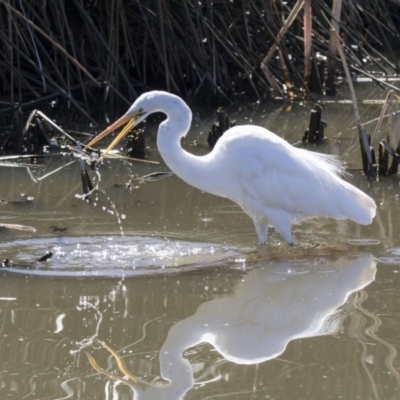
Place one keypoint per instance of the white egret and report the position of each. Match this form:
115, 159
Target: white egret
274, 183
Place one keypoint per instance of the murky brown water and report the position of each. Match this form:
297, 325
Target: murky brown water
186, 297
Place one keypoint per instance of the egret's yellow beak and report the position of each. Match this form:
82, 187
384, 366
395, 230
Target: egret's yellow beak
125, 119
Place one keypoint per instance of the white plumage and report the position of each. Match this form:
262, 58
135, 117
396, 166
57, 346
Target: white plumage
273, 182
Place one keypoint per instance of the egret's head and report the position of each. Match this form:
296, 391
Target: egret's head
159, 101
144, 105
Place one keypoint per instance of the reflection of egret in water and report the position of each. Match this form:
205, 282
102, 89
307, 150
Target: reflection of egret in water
273, 304
359, 327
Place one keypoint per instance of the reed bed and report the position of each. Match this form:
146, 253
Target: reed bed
82, 53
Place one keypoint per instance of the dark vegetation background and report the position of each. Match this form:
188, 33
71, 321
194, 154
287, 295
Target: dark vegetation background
89, 54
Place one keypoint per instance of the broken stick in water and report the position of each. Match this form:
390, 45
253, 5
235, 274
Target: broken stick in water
315, 132
86, 182
218, 129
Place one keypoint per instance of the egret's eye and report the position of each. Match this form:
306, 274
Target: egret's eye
141, 110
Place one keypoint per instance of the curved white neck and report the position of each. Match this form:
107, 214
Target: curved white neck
194, 170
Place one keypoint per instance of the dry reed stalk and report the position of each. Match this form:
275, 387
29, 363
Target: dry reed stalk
365, 146
57, 45
11, 53
286, 75
264, 64
292, 16
209, 50
307, 40
387, 106
374, 78
335, 23
383, 152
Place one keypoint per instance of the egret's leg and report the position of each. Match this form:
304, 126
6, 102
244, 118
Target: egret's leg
283, 225
262, 231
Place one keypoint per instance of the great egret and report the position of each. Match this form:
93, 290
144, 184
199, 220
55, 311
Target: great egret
273, 182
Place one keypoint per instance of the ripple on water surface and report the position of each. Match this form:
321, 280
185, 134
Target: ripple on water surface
392, 258
112, 256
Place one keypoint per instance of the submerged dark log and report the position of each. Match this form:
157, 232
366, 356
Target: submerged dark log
395, 162
369, 165
315, 132
218, 129
373, 161
383, 160
395, 154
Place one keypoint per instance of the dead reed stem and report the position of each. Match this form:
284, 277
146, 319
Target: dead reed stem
109, 51
365, 146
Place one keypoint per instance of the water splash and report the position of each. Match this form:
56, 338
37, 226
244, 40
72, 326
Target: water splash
113, 255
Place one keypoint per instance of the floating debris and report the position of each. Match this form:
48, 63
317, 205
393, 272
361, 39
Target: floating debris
130, 186
155, 176
26, 197
18, 227
6, 263
44, 258
57, 229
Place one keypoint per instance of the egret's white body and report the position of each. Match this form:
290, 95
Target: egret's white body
273, 182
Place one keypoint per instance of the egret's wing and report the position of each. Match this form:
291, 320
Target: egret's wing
272, 174
289, 185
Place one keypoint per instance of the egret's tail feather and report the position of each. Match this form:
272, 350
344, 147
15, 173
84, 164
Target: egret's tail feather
367, 211
360, 208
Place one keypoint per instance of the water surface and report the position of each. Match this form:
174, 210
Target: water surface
174, 281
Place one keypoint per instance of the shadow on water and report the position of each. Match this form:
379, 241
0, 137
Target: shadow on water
174, 281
